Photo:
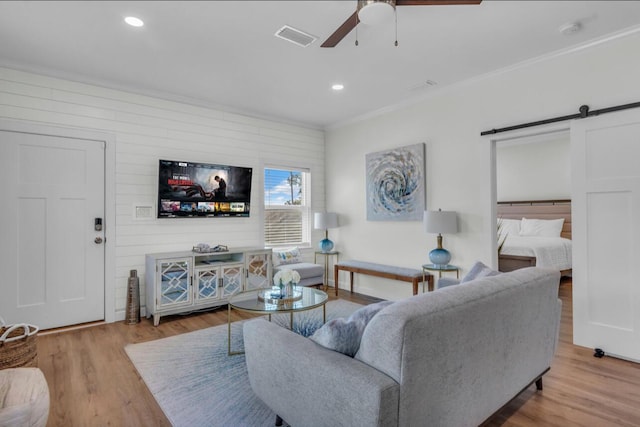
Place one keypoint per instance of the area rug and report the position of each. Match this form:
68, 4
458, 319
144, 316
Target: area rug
197, 384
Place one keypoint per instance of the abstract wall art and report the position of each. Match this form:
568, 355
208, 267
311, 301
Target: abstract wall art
396, 184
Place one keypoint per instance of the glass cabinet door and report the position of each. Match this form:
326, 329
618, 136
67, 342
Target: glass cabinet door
207, 283
258, 270
232, 276
174, 281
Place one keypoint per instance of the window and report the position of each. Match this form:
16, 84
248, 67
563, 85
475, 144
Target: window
286, 207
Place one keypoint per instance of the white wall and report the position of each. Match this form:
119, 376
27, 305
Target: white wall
146, 129
534, 170
458, 158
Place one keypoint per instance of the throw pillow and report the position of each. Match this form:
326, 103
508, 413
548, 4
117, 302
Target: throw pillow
344, 335
286, 256
478, 271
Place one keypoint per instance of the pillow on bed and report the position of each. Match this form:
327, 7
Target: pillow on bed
286, 256
541, 227
510, 227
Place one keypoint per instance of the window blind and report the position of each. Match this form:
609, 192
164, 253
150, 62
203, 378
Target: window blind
286, 207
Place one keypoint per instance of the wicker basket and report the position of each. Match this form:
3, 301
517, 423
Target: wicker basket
18, 346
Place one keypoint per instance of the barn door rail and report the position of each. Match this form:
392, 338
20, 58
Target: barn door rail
583, 113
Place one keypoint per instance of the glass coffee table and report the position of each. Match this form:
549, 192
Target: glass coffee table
261, 301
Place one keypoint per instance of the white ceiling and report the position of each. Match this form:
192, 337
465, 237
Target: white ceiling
224, 53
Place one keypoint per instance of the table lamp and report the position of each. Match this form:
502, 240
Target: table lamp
324, 221
440, 222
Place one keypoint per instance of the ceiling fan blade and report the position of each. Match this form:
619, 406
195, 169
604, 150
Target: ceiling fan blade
353, 20
434, 2
342, 31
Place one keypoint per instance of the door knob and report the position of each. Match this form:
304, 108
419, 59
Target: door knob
98, 240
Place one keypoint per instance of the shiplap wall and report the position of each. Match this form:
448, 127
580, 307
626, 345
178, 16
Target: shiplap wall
146, 129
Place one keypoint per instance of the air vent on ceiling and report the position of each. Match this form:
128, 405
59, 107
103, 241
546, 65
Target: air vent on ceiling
295, 36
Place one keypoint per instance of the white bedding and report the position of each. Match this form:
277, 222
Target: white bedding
550, 252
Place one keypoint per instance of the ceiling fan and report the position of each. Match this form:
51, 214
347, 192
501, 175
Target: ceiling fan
369, 10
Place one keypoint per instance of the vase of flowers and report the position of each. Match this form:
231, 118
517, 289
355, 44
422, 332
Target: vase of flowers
286, 280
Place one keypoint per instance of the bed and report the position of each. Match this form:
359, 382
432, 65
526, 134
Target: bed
547, 235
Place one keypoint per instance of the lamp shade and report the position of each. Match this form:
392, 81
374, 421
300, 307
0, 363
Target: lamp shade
440, 222
325, 220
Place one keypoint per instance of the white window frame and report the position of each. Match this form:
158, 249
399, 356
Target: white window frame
305, 208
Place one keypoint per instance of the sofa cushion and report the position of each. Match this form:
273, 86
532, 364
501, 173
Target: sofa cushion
478, 271
286, 256
304, 269
344, 335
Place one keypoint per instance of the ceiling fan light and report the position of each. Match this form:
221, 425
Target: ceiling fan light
374, 12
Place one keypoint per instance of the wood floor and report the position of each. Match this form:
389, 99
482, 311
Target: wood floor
93, 383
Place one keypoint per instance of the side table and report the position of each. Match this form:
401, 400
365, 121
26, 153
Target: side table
326, 255
440, 269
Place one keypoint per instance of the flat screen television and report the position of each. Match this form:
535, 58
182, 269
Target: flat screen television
196, 190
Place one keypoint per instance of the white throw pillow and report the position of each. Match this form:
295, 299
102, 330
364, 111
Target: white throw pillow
509, 227
541, 227
286, 256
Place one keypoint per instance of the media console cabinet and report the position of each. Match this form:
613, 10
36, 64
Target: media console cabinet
180, 282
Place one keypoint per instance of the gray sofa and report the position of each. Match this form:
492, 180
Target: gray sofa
451, 357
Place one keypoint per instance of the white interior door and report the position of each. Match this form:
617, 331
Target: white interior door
52, 265
606, 233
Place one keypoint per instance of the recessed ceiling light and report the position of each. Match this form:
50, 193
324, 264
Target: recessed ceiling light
337, 87
133, 21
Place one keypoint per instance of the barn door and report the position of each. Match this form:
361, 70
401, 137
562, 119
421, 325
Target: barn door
606, 233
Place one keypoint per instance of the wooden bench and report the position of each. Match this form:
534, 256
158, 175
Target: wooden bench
410, 275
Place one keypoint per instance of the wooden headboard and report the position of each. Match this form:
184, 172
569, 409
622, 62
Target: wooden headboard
539, 209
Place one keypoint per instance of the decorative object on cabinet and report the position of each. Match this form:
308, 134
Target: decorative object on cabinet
325, 221
396, 184
179, 282
440, 222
